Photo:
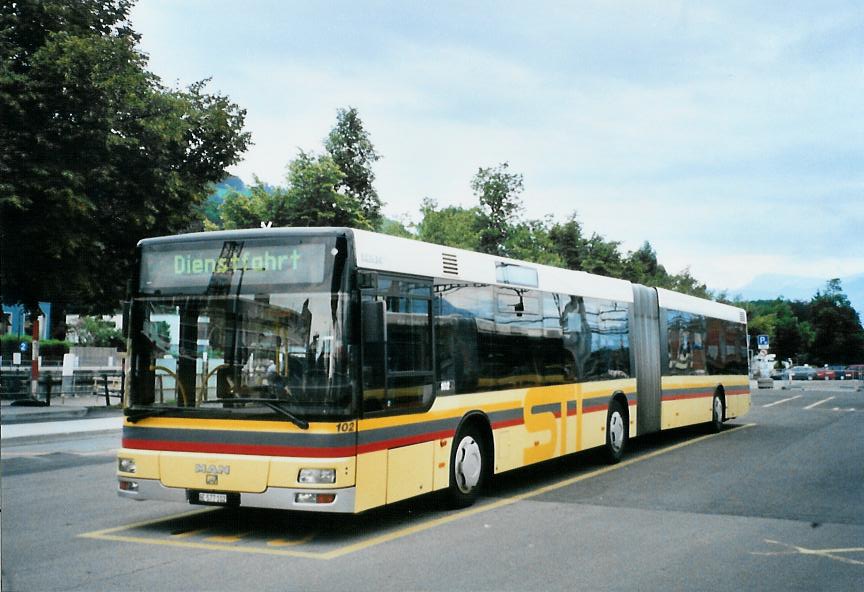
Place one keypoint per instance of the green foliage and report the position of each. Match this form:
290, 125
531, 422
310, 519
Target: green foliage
311, 198
838, 335
258, 203
825, 330
790, 336
394, 228
95, 332
49, 349
498, 192
592, 255
530, 240
211, 206
452, 226
349, 146
94, 151
331, 189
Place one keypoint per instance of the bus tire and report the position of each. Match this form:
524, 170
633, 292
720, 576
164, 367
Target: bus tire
616, 432
467, 467
717, 413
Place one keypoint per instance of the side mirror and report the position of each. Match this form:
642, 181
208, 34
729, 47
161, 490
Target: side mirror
373, 324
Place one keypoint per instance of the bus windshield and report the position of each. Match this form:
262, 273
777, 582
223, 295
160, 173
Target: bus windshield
210, 343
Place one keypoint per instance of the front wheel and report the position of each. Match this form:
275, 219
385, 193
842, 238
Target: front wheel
467, 467
616, 432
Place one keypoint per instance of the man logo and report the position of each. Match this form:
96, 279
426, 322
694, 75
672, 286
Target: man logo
213, 469
212, 479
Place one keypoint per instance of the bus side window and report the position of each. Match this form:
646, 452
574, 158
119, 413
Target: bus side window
397, 354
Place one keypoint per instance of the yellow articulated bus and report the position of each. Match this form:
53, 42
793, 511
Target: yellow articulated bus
337, 370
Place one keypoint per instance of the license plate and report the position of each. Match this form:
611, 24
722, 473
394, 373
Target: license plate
212, 498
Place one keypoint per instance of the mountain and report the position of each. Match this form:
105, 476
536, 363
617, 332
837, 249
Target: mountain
769, 286
220, 190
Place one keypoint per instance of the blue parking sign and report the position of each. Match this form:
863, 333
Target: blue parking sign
762, 341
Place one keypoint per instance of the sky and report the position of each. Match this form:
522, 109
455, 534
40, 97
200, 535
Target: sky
730, 135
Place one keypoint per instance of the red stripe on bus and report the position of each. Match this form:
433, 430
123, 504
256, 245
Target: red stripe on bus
594, 408
508, 423
405, 441
737, 392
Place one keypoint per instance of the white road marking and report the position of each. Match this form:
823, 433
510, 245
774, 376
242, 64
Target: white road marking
812, 405
782, 401
835, 554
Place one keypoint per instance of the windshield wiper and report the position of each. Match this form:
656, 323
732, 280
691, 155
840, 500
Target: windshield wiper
272, 404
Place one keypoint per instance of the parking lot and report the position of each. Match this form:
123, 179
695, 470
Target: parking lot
772, 502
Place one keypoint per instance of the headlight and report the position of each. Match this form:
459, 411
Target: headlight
317, 476
126, 465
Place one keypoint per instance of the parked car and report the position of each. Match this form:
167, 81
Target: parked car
854, 372
803, 373
826, 373
840, 372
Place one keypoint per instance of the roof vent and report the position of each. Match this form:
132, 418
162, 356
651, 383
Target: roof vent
450, 263
743, 316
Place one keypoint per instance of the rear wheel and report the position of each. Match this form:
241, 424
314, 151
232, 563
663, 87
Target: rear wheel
717, 413
468, 467
616, 432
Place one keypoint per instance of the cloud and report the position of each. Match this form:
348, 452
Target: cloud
730, 136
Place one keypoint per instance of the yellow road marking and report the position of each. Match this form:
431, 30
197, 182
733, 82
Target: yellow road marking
227, 538
100, 533
512, 500
108, 534
828, 553
189, 533
284, 543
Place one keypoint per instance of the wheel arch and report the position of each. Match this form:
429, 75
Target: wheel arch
621, 398
479, 420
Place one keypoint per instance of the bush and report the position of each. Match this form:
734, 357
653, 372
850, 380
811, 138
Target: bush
95, 332
49, 349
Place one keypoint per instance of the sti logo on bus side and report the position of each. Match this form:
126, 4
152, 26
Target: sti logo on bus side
213, 469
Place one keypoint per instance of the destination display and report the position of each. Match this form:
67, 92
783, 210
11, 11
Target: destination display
193, 266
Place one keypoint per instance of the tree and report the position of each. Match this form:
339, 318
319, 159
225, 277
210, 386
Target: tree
96, 332
259, 203
95, 153
452, 226
313, 198
790, 336
569, 241
394, 228
530, 240
498, 192
310, 198
349, 146
839, 337
641, 266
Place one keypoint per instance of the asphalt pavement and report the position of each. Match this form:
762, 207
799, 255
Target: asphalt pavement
65, 415
770, 503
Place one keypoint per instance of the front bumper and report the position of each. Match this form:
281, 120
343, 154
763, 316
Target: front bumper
281, 498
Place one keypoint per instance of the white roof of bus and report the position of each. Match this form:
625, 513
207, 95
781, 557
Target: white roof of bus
389, 253
692, 304
383, 252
